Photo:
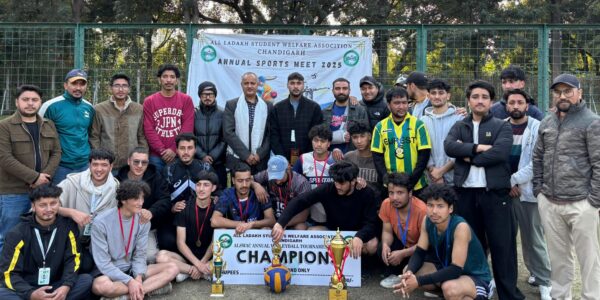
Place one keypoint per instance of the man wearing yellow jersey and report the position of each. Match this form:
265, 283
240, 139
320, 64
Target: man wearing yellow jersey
401, 143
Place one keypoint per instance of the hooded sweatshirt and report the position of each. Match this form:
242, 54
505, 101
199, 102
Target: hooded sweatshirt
438, 127
377, 109
79, 190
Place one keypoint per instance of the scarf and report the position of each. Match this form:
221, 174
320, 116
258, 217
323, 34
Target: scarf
242, 121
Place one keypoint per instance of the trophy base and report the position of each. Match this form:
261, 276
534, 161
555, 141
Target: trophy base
335, 294
217, 290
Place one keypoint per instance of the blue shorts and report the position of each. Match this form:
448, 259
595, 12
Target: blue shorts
482, 288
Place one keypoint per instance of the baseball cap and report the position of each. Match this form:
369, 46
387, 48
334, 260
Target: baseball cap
418, 78
567, 79
276, 167
369, 80
76, 74
401, 80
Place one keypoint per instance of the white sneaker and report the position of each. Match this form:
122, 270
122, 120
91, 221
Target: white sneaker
431, 295
389, 281
545, 292
181, 277
162, 291
123, 297
531, 280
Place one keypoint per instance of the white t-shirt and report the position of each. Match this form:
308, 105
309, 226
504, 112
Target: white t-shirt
476, 178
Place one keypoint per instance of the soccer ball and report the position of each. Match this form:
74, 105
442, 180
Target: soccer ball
277, 278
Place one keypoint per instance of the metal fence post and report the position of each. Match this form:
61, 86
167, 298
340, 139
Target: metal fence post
543, 64
190, 35
422, 48
79, 46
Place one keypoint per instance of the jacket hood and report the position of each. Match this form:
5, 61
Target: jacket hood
83, 180
378, 98
451, 111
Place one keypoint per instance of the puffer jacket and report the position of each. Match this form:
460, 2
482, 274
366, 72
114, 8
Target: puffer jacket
566, 158
17, 155
524, 175
377, 109
208, 128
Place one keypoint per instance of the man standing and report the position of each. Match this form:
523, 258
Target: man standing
167, 113
438, 119
72, 115
120, 250
362, 157
85, 195
347, 208
20, 167
338, 114
525, 132
208, 128
566, 180
402, 216
246, 127
481, 146
292, 119
157, 204
373, 100
117, 125
41, 257
512, 78
181, 177
416, 86
238, 208
400, 142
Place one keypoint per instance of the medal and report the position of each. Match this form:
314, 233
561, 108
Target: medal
199, 228
123, 233
198, 243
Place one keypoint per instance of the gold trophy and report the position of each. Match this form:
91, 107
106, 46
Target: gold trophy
217, 267
338, 250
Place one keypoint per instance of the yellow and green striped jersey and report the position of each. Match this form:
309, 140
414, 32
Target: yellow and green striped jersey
399, 144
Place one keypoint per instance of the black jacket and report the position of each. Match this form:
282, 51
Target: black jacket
492, 131
22, 257
358, 211
377, 109
181, 179
208, 128
158, 202
283, 120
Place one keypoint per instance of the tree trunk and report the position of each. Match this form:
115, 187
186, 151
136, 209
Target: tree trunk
380, 44
555, 39
77, 10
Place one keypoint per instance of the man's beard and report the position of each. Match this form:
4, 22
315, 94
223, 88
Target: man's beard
341, 98
517, 114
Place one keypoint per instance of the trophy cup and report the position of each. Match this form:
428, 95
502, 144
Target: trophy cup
217, 267
338, 249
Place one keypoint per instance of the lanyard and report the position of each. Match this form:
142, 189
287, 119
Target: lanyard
240, 208
447, 243
289, 191
403, 233
319, 179
94, 203
123, 233
198, 227
39, 239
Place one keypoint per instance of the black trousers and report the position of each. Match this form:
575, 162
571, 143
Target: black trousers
395, 270
79, 291
490, 214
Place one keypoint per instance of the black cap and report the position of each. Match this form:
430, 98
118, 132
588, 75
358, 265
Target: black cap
369, 80
567, 79
418, 78
207, 85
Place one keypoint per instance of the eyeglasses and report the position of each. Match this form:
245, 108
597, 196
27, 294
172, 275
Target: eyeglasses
568, 92
206, 95
120, 86
140, 162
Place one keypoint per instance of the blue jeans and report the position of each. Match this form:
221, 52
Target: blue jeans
157, 162
62, 172
12, 206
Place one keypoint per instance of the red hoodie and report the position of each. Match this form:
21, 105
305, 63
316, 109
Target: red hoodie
165, 118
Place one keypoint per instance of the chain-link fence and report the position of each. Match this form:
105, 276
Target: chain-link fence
41, 54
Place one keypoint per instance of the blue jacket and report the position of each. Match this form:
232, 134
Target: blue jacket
72, 118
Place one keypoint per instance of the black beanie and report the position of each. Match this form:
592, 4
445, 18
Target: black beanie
207, 85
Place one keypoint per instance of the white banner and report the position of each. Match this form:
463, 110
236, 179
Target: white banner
223, 58
247, 256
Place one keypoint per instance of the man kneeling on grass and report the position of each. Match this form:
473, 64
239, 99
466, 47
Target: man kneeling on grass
448, 255
119, 243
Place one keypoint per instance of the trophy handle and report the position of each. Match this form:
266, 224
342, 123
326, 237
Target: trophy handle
326, 242
224, 266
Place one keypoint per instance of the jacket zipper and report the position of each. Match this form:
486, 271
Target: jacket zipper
207, 134
555, 151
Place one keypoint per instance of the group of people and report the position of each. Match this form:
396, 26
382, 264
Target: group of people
119, 199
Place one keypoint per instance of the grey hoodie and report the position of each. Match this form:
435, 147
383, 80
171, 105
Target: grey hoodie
438, 127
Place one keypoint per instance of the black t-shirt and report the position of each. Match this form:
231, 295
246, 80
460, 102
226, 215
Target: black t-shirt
187, 218
34, 130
